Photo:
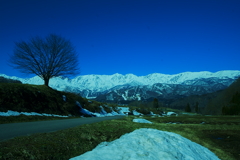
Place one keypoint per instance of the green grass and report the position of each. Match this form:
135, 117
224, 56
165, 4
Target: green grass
43, 99
37, 98
75, 141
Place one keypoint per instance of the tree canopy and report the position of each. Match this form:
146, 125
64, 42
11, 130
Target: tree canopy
47, 57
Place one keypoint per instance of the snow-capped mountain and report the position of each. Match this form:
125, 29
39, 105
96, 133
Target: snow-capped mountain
92, 86
164, 91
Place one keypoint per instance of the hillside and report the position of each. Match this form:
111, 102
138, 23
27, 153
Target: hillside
227, 102
195, 100
43, 99
34, 98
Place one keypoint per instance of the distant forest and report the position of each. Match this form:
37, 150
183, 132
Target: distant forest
223, 102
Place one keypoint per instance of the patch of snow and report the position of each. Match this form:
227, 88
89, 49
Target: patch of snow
123, 96
126, 93
135, 113
149, 144
113, 112
10, 113
171, 113
83, 110
138, 97
102, 110
15, 113
123, 110
141, 121
98, 114
103, 113
152, 114
90, 97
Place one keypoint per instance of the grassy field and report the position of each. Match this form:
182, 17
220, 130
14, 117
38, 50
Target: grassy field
220, 134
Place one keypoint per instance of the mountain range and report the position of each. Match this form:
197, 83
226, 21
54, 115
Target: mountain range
129, 87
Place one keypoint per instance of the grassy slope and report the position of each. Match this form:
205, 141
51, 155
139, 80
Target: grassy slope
42, 99
75, 141
36, 98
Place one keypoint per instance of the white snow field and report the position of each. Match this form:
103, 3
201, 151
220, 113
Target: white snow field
149, 144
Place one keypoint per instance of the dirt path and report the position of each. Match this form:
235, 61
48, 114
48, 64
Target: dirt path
11, 130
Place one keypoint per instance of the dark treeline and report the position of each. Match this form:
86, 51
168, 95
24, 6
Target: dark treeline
223, 102
227, 102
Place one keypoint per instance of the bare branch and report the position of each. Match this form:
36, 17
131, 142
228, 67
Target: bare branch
50, 57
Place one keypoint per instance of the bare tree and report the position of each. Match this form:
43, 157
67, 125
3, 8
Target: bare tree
46, 57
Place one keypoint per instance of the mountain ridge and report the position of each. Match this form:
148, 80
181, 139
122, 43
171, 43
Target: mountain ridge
98, 82
91, 86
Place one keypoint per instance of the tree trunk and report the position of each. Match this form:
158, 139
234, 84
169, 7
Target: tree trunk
46, 81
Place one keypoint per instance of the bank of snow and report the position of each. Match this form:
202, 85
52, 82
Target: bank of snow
102, 113
141, 120
83, 111
15, 113
149, 144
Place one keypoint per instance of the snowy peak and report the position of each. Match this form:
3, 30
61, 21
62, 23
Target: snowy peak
181, 77
100, 83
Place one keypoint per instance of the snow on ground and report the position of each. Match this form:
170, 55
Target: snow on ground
103, 113
149, 144
136, 113
171, 113
15, 113
82, 110
123, 110
152, 114
141, 121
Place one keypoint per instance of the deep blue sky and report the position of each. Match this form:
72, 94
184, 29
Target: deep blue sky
130, 36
